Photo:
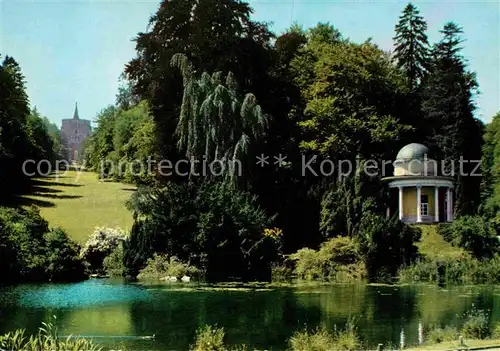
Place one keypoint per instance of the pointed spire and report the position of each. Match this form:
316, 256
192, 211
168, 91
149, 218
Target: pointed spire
75, 115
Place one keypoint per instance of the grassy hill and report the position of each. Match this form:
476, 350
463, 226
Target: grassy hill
434, 246
79, 202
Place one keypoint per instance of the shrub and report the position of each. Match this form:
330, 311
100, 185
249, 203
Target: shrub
473, 233
322, 340
281, 273
464, 270
100, 244
114, 263
161, 266
438, 335
476, 325
336, 259
29, 251
209, 338
347, 339
319, 340
386, 245
62, 261
213, 226
308, 266
22, 232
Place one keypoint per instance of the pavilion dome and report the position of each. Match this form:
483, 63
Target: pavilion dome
412, 160
413, 151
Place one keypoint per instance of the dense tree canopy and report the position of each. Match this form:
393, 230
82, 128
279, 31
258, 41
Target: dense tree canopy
351, 93
448, 108
123, 145
24, 134
210, 83
491, 170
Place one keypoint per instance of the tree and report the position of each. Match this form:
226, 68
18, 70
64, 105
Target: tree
324, 33
125, 97
386, 245
100, 144
214, 123
42, 144
491, 173
448, 108
15, 146
351, 93
123, 144
215, 35
55, 134
411, 46
214, 227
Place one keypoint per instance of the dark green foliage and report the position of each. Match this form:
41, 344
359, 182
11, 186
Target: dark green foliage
412, 48
24, 135
35, 253
324, 95
473, 233
345, 201
214, 122
214, 227
215, 35
14, 145
491, 171
386, 244
452, 131
62, 261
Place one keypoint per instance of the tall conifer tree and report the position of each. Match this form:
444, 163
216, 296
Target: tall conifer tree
448, 106
411, 45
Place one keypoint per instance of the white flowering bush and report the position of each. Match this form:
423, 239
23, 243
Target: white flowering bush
100, 244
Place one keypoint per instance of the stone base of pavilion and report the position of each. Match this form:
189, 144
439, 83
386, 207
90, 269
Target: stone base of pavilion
421, 199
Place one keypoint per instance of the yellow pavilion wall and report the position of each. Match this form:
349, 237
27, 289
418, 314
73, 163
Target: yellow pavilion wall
410, 201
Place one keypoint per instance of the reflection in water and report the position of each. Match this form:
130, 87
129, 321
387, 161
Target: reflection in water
118, 313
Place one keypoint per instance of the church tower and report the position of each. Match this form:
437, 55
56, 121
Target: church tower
75, 115
74, 132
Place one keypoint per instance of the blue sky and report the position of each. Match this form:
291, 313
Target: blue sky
75, 50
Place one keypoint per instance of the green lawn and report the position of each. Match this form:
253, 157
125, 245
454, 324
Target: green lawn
79, 202
492, 345
434, 246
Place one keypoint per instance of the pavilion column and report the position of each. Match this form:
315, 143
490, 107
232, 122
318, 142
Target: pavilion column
449, 205
419, 204
400, 208
436, 204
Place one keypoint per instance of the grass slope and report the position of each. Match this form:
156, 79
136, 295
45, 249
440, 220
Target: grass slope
78, 202
488, 344
434, 246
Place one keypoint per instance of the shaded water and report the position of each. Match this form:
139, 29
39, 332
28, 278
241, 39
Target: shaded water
117, 313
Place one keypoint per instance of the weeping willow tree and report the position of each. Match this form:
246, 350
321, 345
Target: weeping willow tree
215, 124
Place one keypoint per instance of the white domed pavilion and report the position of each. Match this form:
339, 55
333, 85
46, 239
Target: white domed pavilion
418, 193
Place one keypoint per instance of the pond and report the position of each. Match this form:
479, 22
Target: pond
117, 313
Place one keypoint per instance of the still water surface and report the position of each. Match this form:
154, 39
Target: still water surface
117, 313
